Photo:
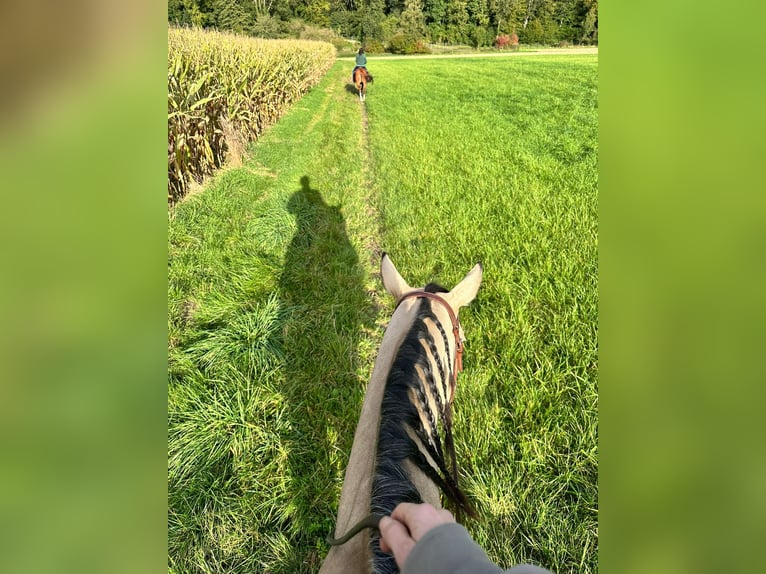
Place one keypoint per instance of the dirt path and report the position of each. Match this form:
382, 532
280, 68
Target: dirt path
542, 52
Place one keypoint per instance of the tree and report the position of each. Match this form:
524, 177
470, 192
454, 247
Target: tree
457, 21
394, 6
590, 22
435, 11
478, 12
412, 22
347, 5
185, 13
539, 25
230, 15
436, 18
368, 20
262, 7
509, 16
317, 12
565, 16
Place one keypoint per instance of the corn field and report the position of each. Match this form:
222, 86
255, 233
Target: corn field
223, 87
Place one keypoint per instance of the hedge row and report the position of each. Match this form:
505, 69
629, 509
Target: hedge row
224, 90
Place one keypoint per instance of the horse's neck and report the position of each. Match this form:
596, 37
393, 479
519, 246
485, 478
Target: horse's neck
354, 556
362, 459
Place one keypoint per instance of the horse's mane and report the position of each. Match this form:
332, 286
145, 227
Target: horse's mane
391, 485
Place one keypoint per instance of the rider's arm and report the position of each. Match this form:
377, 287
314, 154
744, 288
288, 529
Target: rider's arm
448, 549
426, 540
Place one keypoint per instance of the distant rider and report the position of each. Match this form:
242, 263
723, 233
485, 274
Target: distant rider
361, 62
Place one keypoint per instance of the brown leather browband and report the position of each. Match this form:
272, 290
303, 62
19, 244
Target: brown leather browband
458, 362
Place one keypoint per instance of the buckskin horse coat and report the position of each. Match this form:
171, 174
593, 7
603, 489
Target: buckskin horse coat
423, 341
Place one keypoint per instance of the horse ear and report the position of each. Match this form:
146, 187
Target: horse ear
465, 291
392, 281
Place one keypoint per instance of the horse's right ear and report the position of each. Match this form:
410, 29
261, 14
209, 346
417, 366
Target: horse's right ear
392, 281
465, 291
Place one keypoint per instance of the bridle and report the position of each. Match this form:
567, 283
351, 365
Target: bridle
458, 355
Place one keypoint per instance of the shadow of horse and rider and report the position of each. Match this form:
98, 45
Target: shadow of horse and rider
322, 289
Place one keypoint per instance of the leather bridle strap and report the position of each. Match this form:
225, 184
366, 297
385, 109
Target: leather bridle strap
458, 356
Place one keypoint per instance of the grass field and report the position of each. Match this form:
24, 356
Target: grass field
276, 310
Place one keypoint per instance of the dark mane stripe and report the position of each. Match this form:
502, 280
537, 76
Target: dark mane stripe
432, 439
435, 352
405, 384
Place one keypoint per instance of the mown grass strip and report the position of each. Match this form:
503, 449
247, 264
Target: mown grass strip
272, 338
224, 90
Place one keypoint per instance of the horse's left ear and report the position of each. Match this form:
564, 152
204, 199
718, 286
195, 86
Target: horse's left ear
392, 281
465, 291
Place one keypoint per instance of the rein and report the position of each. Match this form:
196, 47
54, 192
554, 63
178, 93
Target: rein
458, 355
370, 521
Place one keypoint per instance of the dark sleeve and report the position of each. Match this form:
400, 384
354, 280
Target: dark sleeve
448, 549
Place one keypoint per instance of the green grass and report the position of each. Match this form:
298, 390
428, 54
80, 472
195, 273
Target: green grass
495, 161
276, 311
268, 353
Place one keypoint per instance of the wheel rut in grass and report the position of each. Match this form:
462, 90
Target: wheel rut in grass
372, 239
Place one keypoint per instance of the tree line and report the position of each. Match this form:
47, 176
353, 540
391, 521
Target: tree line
399, 24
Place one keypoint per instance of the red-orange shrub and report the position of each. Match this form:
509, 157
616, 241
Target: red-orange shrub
502, 41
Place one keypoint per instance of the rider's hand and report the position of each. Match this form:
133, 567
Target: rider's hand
408, 524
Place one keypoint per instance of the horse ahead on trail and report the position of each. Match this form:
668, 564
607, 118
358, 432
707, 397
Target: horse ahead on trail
403, 449
361, 78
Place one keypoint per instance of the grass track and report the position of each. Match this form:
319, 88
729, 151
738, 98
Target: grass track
275, 318
267, 307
